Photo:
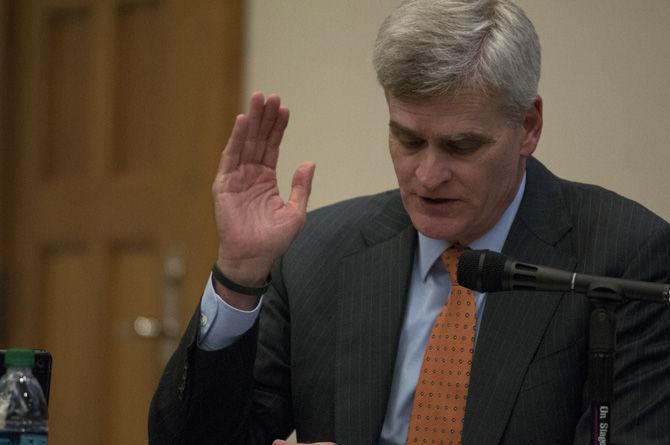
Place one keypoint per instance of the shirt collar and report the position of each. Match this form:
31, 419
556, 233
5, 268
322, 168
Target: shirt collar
430, 249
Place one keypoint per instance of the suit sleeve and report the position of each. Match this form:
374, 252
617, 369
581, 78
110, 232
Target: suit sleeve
641, 405
236, 395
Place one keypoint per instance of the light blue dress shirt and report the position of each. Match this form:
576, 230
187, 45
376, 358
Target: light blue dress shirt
430, 285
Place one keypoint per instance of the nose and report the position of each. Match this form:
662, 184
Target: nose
433, 169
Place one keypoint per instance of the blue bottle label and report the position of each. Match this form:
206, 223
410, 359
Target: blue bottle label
15, 438
8, 438
33, 439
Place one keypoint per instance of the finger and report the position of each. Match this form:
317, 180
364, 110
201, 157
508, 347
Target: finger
275, 137
301, 186
255, 115
267, 123
230, 157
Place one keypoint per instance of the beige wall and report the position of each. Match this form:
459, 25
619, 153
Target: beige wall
604, 84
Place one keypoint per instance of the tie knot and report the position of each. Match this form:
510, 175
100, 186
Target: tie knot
450, 261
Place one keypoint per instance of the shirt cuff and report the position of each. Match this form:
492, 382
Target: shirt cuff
220, 323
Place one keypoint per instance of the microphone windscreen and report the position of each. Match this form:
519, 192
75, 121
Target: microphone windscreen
481, 270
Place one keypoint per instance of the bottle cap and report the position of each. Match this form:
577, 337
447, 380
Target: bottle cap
20, 358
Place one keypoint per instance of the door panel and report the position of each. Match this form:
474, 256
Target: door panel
69, 46
71, 314
135, 269
142, 86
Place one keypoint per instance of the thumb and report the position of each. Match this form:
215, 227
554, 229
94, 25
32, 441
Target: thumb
301, 186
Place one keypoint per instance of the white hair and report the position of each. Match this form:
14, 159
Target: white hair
430, 48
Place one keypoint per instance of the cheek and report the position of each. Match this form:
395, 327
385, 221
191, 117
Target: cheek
496, 183
403, 166
483, 183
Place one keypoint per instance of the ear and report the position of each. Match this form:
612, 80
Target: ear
532, 128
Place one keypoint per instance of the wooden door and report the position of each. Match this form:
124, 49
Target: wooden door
122, 108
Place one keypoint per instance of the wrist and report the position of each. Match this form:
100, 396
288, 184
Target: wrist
239, 288
238, 301
248, 272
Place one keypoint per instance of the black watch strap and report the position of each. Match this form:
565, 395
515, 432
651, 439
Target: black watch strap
230, 284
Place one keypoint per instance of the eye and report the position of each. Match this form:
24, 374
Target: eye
413, 144
405, 138
464, 148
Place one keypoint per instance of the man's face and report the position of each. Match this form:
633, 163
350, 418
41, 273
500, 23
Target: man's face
459, 162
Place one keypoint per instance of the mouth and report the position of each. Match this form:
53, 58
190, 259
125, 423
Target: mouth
435, 201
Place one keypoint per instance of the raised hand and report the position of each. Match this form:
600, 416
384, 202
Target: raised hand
255, 225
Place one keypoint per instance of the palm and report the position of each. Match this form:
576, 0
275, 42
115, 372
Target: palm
252, 217
255, 224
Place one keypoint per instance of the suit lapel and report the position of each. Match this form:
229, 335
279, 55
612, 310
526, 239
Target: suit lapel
372, 290
514, 323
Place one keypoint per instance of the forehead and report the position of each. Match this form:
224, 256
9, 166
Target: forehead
445, 114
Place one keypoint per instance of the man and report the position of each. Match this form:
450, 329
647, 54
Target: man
345, 336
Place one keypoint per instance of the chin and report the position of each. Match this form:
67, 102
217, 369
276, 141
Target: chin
436, 229
436, 224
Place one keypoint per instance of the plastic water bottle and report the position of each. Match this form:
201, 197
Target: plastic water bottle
23, 408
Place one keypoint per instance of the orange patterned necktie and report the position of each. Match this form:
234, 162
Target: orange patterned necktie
442, 389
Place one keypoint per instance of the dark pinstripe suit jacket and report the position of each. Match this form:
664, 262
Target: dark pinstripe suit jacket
321, 357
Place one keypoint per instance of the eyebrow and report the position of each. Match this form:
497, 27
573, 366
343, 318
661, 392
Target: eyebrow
470, 136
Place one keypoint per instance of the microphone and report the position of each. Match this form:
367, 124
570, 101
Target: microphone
487, 271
